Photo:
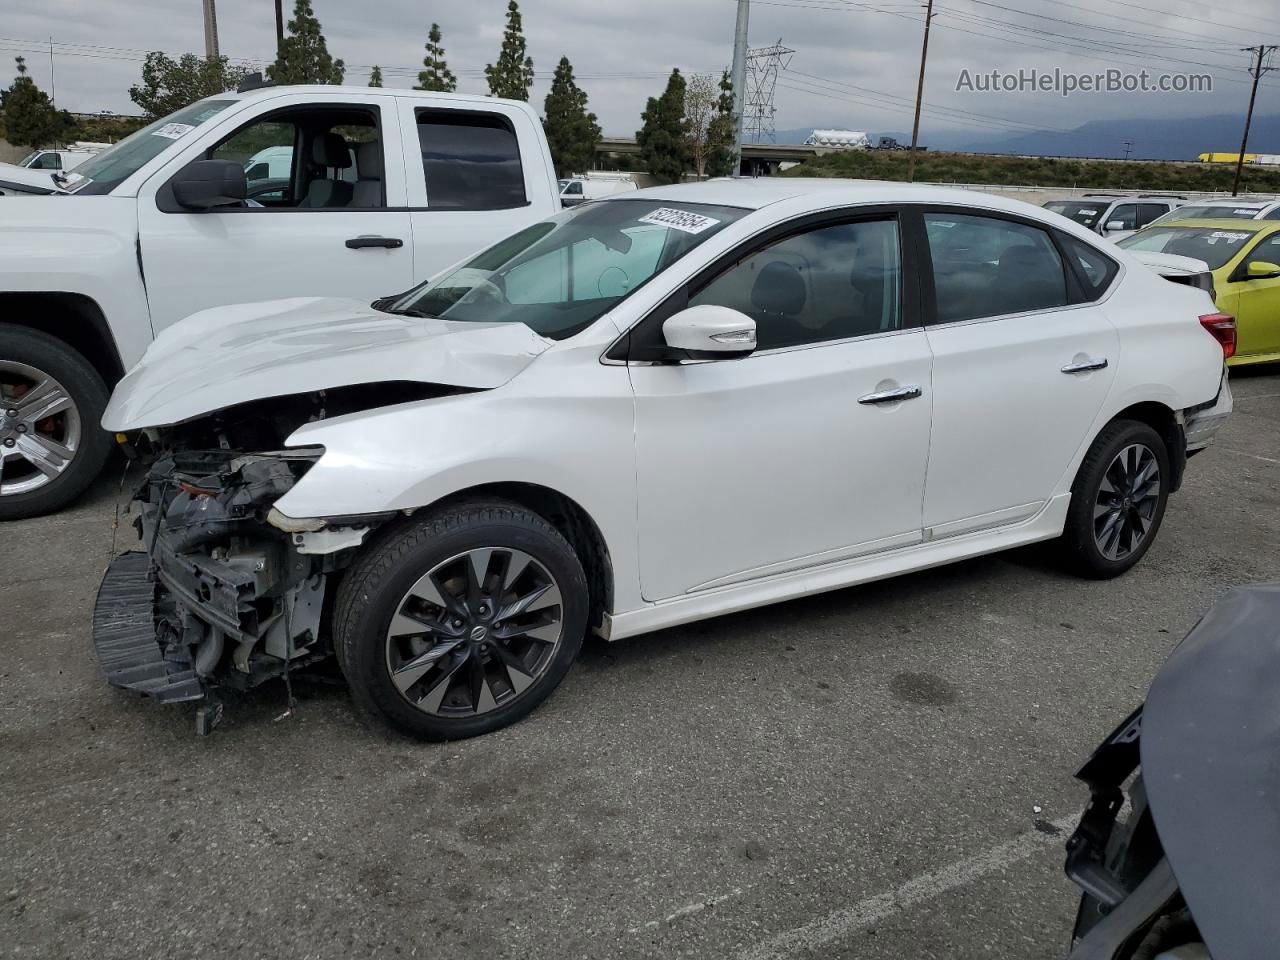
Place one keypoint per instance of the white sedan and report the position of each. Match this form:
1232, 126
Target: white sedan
641, 412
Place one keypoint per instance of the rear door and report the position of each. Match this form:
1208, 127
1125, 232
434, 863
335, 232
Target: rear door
327, 217
1022, 360
475, 176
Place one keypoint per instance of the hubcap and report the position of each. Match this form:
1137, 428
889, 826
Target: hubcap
39, 428
1127, 501
475, 632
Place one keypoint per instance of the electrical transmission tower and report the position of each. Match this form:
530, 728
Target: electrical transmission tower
763, 66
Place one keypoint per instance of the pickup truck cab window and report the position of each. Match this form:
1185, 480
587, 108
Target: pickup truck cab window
471, 161
106, 171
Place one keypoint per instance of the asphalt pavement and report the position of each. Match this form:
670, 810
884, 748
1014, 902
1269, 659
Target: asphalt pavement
880, 772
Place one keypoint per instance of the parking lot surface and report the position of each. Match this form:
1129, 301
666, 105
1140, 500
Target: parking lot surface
881, 772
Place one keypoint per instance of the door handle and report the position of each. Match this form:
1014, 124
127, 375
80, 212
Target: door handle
909, 392
1084, 366
360, 243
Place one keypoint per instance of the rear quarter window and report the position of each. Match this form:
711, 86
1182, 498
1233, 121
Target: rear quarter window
1093, 268
471, 161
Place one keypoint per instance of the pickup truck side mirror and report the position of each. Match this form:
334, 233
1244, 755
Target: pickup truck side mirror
207, 184
710, 332
1262, 270
1113, 225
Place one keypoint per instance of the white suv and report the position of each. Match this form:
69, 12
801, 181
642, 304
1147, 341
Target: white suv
1112, 215
641, 412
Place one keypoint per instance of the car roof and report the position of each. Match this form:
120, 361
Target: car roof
1243, 225
754, 193
268, 91
1228, 202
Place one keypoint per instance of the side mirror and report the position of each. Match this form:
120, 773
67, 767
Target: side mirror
709, 332
206, 184
1116, 225
1262, 270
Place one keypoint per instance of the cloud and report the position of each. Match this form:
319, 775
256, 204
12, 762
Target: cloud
855, 63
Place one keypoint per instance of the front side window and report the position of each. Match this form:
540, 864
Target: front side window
560, 275
1267, 251
471, 161
1149, 211
1214, 245
1123, 216
830, 283
266, 150
987, 267
45, 161
105, 171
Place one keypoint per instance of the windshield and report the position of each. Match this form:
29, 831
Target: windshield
1213, 245
560, 275
1082, 212
1207, 212
110, 168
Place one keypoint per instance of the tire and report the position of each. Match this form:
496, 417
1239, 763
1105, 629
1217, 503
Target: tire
26, 356
1106, 544
412, 620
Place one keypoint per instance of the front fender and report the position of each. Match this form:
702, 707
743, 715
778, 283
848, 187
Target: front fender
577, 441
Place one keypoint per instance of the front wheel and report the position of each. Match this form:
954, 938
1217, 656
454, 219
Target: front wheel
462, 623
51, 446
1118, 500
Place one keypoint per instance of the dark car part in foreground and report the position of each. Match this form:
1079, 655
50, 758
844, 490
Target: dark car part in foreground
1195, 866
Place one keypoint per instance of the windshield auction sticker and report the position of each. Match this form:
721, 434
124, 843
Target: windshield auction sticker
681, 220
172, 131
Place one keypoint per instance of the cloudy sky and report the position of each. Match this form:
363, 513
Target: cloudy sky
854, 66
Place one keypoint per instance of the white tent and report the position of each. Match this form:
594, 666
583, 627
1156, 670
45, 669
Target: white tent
848, 139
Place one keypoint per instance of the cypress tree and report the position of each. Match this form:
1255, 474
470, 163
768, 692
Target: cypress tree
304, 55
512, 76
436, 74
722, 136
375, 78
572, 131
664, 138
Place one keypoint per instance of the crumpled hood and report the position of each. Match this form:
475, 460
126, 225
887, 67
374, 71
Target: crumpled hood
229, 355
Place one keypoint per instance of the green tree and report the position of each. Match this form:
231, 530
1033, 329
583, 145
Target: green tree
664, 138
375, 78
436, 74
168, 85
722, 135
30, 118
304, 55
512, 75
572, 131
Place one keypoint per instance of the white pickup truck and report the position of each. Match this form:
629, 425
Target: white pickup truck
268, 193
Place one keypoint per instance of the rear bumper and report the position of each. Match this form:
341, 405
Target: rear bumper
1202, 424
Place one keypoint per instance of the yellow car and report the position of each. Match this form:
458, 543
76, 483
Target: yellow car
1244, 259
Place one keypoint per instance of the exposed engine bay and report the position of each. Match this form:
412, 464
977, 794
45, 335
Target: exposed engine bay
224, 594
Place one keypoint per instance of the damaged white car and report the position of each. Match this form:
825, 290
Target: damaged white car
642, 412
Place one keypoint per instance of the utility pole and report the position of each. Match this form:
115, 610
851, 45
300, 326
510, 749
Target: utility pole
1128, 148
210, 30
915, 126
739, 79
53, 85
1261, 53
279, 26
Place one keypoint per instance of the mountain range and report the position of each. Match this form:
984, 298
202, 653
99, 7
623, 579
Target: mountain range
1153, 138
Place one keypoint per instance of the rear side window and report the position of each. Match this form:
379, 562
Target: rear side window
471, 161
1094, 268
987, 267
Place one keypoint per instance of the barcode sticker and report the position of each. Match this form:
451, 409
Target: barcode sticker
173, 131
681, 220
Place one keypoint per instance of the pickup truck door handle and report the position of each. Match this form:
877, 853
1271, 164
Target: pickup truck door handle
909, 392
1084, 366
360, 243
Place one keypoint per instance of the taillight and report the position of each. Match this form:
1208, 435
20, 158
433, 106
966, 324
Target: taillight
1222, 327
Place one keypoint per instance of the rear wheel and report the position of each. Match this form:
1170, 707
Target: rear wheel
51, 402
1118, 500
463, 623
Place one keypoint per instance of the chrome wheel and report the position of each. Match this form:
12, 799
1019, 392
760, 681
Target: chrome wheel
39, 428
1128, 498
475, 632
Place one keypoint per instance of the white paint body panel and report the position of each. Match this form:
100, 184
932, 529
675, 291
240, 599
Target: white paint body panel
725, 485
145, 269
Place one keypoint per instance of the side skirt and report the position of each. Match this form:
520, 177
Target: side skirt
1046, 525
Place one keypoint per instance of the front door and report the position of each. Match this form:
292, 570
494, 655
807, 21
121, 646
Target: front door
322, 217
1022, 365
1255, 303
811, 450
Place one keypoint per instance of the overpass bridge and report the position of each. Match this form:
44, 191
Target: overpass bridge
758, 159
